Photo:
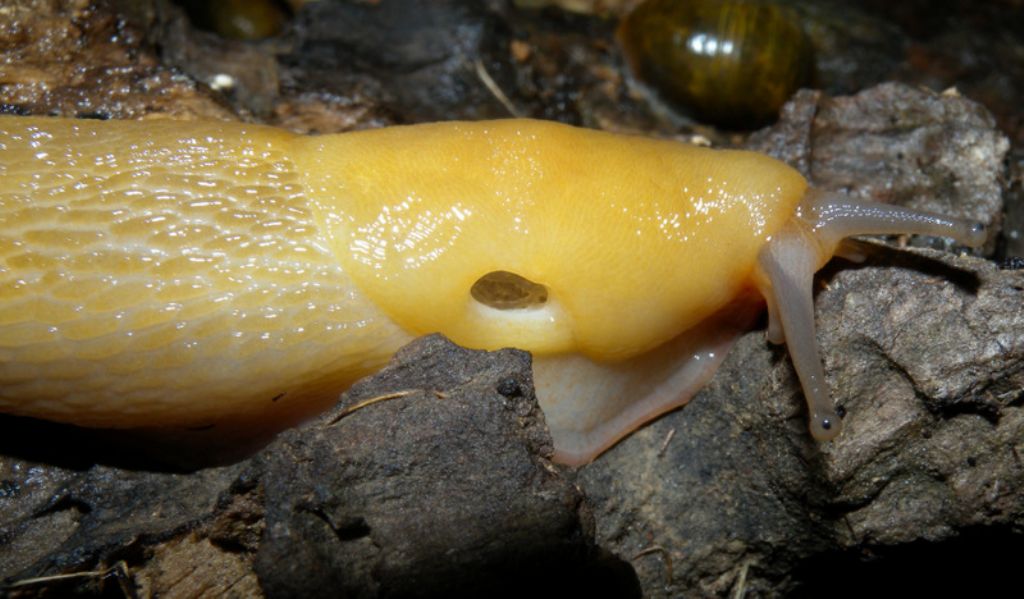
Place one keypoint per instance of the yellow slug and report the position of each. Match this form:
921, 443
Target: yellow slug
165, 274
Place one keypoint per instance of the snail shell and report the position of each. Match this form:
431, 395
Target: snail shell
733, 63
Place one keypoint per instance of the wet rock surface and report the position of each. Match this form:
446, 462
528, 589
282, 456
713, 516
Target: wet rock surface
99, 521
935, 420
442, 488
92, 60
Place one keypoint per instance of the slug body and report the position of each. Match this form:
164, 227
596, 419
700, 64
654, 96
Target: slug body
168, 274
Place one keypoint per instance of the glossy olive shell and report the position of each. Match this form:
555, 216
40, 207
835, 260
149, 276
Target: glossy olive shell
238, 19
731, 62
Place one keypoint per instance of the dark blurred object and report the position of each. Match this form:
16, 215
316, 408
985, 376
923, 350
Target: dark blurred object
1012, 240
422, 59
238, 19
732, 63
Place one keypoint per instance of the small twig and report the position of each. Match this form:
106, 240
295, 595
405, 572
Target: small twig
741, 583
368, 402
120, 570
664, 444
485, 78
665, 556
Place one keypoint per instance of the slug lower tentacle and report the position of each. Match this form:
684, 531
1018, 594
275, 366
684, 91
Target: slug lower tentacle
213, 275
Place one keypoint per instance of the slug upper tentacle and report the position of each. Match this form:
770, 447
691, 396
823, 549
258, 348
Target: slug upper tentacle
164, 274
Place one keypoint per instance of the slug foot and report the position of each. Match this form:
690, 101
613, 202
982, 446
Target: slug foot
590, 406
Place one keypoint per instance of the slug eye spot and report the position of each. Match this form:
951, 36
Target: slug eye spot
503, 290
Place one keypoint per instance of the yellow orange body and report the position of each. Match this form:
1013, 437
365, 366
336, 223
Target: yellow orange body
183, 273
635, 239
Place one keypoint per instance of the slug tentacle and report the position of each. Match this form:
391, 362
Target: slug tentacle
834, 216
787, 264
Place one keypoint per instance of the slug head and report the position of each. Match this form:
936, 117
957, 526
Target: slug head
546, 237
560, 240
